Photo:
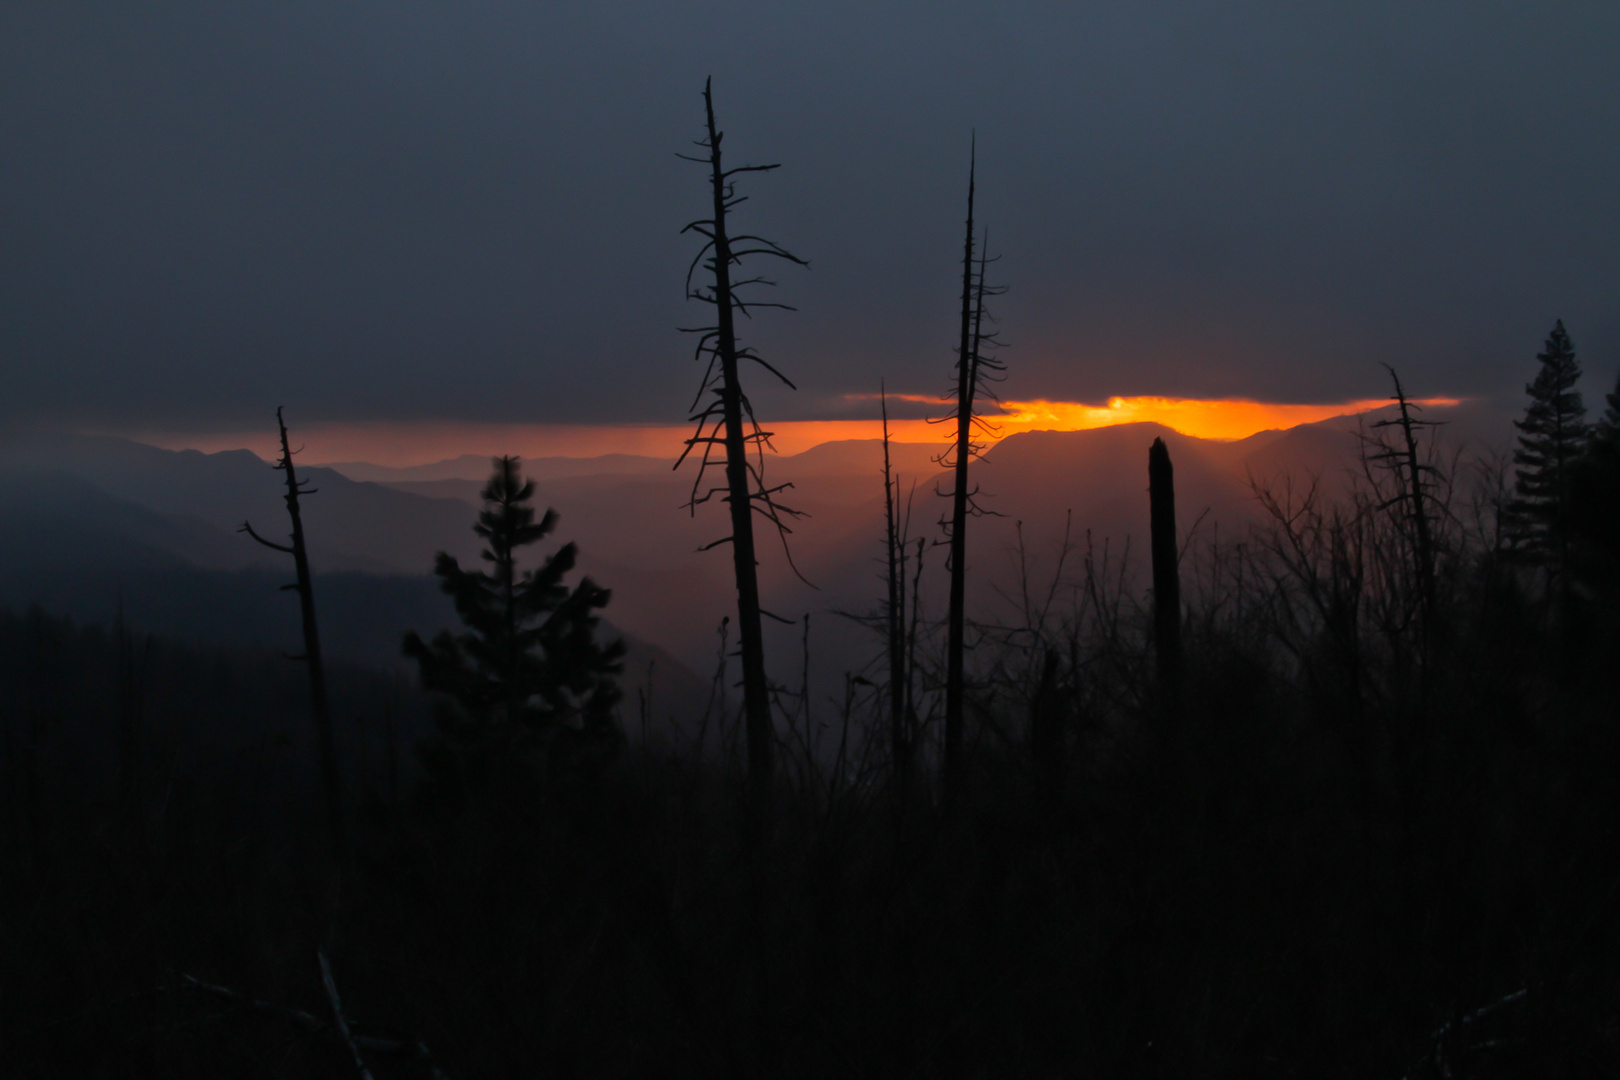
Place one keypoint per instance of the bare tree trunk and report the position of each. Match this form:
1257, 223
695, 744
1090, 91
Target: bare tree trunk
1414, 490
1409, 470
913, 632
956, 616
1045, 739
45, 709
12, 806
129, 731
393, 751
331, 777
1166, 574
728, 421
756, 692
895, 614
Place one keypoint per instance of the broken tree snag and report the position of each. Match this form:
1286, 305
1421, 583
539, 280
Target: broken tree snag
338, 1017
976, 369
129, 734
1166, 575
331, 778
727, 423
894, 615
1045, 737
1410, 469
956, 612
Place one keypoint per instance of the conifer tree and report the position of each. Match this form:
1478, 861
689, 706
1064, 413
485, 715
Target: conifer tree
1608, 425
1594, 512
529, 659
1552, 438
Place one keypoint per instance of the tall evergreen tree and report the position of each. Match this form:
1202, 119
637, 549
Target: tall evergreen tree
1594, 512
1608, 425
529, 659
1552, 438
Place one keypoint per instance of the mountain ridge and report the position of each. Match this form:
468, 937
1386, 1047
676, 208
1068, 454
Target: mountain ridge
636, 536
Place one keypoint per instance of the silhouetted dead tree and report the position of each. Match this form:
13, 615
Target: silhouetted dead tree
129, 730
973, 371
331, 778
1405, 460
1045, 735
1166, 574
728, 423
895, 543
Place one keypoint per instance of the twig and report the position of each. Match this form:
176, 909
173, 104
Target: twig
427, 1061
303, 1019
337, 1013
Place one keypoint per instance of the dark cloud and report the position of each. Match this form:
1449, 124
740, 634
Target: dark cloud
471, 210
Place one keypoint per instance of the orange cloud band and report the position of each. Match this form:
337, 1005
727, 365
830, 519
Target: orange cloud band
418, 442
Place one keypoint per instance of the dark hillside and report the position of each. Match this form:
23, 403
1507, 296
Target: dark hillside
354, 526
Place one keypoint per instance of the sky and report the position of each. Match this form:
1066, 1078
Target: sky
434, 217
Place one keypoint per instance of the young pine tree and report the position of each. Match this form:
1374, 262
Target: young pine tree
1552, 439
529, 661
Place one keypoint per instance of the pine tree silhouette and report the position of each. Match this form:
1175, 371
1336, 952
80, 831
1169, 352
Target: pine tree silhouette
529, 659
1594, 511
1608, 425
1552, 438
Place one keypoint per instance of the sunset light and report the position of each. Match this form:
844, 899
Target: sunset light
1204, 419
414, 443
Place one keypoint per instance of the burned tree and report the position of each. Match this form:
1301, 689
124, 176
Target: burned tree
974, 370
1166, 574
727, 423
331, 778
1406, 462
130, 734
895, 538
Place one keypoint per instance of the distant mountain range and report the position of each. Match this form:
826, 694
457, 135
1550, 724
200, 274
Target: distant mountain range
91, 525
85, 521
476, 467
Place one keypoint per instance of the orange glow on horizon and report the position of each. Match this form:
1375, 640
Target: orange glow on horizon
420, 442
1227, 419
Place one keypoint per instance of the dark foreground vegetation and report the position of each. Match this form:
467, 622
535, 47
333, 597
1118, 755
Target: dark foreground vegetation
1367, 829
